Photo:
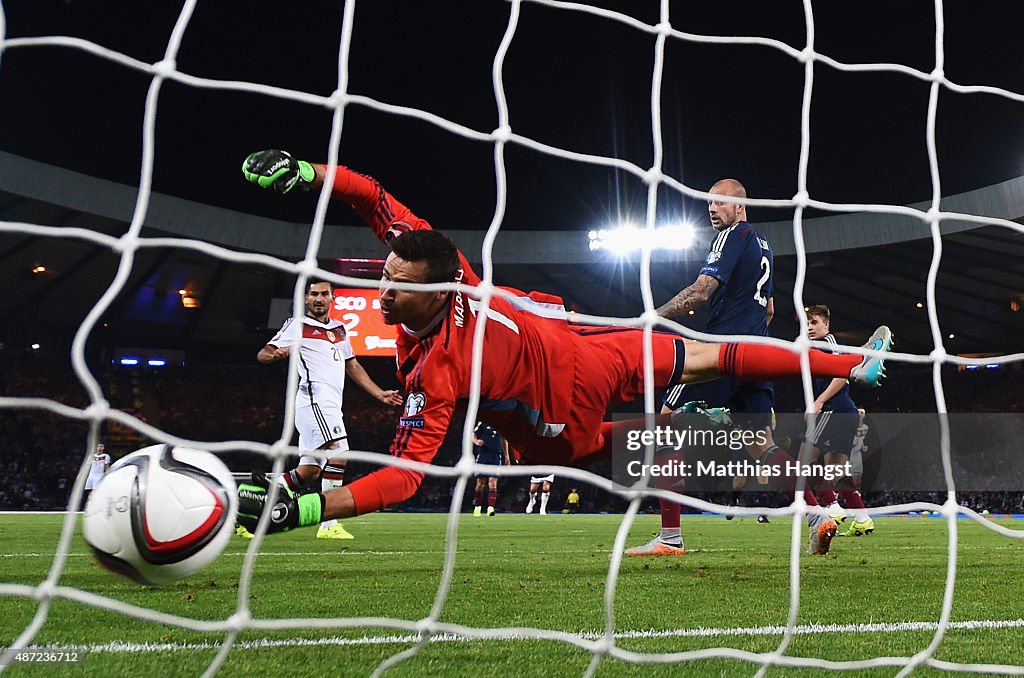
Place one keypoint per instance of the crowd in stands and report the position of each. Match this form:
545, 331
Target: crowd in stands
43, 452
40, 452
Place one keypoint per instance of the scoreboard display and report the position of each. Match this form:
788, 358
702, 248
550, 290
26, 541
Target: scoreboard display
359, 309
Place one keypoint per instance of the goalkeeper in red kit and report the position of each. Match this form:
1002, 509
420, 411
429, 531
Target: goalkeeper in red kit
545, 385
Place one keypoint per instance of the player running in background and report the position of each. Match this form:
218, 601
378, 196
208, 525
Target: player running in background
100, 466
533, 359
325, 359
858, 450
736, 284
540, 486
835, 430
490, 450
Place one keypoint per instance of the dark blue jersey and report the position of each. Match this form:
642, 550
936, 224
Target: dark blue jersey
741, 260
490, 438
840, 402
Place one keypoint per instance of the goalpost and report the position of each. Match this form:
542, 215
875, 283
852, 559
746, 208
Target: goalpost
603, 644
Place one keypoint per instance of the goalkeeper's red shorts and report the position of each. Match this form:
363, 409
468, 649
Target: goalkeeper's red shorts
609, 370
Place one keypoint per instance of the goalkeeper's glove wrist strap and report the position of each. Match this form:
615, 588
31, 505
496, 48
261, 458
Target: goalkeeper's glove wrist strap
311, 509
306, 172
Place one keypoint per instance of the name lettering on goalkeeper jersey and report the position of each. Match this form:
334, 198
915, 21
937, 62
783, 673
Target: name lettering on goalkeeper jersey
460, 311
474, 308
496, 316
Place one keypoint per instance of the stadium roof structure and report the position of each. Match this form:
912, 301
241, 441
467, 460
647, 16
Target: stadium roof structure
869, 267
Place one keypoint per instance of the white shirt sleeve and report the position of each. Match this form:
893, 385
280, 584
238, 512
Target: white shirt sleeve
346, 349
286, 336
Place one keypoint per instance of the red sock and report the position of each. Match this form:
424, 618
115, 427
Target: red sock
478, 497
492, 497
826, 495
822, 489
332, 472
292, 480
759, 362
850, 496
670, 512
786, 483
852, 499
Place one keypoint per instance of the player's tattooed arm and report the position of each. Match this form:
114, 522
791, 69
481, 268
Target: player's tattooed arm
691, 298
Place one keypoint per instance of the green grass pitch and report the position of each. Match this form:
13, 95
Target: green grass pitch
545, 572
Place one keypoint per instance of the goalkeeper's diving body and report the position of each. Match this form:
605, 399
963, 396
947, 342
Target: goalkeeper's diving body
545, 385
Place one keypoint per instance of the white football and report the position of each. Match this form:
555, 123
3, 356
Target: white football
161, 513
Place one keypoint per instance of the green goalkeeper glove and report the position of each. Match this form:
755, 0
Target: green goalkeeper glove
278, 170
693, 407
718, 416
288, 512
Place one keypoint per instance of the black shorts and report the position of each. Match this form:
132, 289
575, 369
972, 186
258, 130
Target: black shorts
834, 431
490, 459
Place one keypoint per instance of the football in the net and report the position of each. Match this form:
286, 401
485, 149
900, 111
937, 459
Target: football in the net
161, 513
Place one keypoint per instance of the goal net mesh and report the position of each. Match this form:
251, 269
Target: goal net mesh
604, 642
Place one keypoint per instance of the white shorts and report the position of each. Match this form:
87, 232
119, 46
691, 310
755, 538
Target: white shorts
92, 481
857, 462
319, 424
317, 460
537, 480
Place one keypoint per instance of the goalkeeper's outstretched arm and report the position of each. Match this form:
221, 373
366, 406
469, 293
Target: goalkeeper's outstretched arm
290, 510
282, 172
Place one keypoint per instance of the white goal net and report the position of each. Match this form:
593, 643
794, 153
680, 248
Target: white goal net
665, 33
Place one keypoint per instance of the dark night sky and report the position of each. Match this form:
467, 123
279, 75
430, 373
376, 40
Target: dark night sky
573, 80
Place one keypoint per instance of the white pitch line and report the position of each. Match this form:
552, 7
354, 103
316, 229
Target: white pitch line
703, 632
350, 552
332, 554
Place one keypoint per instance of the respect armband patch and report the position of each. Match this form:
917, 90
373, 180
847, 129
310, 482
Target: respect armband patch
412, 422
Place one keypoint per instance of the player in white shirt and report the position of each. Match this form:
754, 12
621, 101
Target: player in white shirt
100, 464
325, 358
857, 452
543, 483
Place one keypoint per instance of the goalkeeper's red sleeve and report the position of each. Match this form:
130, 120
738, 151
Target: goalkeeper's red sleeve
384, 487
382, 211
